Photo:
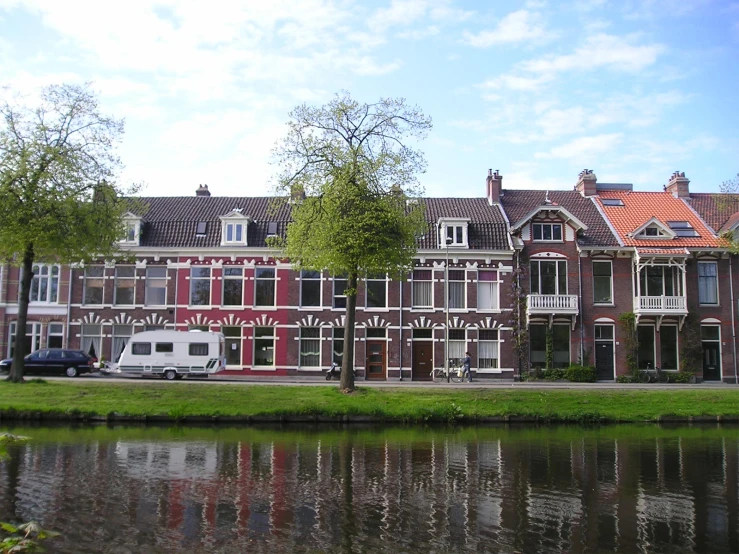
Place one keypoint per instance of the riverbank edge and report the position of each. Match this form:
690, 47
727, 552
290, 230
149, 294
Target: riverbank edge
56, 417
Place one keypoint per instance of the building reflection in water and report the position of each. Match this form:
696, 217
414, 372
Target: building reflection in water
506, 490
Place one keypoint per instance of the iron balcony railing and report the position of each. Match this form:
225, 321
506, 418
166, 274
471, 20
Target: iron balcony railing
552, 304
664, 304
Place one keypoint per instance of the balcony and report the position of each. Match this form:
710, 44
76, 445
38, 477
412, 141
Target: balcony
552, 304
660, 305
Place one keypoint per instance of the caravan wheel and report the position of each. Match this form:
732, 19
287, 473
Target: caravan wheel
170, 375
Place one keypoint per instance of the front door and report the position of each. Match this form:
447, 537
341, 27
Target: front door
375, 360
711, 361
604, 360
422, 360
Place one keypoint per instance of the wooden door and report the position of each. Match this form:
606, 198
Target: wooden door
604, 360
711, 361
376, 366
422, 362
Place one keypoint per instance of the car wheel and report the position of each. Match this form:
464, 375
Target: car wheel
71, 371
170, 375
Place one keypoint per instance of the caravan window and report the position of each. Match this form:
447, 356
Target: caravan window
164, 347
199, 349
141, 348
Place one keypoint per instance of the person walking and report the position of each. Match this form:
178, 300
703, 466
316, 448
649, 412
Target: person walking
466, 366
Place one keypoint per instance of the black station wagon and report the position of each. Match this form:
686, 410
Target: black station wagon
54, 360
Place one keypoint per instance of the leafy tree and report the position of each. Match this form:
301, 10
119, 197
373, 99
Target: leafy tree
58, 202
351, 176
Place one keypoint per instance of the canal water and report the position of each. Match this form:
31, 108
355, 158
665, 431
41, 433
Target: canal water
522, 489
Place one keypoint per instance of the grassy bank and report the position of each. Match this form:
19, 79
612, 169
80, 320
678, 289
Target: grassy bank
180, 401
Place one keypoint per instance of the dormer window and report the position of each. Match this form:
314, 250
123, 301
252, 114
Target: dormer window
131, 229
233, 228
453, 232
547, 232
653, 229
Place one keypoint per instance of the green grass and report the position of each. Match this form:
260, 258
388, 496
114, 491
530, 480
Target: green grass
180, 401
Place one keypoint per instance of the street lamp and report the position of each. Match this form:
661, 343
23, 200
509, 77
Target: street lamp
447, 242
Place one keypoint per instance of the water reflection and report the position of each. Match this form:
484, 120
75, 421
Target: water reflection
617, 489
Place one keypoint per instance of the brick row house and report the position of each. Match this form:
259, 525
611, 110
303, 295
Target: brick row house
584, 257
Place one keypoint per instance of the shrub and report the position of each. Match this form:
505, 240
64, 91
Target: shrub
580, 374
679, 377
553, 374
625, 379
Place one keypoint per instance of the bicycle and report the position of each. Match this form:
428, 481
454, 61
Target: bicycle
456, 373
650, 375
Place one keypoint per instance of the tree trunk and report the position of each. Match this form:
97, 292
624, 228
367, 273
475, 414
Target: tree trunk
347, 360
19, 352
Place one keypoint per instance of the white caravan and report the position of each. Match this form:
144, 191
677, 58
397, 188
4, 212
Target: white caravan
172, 354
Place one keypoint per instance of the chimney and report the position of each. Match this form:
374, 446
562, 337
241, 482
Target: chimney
587, 183
494, 186
202, 191
678, 185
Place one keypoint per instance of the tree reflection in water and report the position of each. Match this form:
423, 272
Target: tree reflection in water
552, 489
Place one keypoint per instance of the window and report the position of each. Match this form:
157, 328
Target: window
660, 281
487, 290
32, 338
612, 201
376, 333
602, 283
310, 347
423, 286
337, 348
233, 285
340, 284
91, 341
708, 282
547, 231
376, 291
204, 328
55, 335
200, 286
165, 347
487, 346
423, 334
264, 288
233, 345
125, 285
121, 335
548, 277
560, 341
94, 280
456, 233
200, 228
457, 288
198, 349
561, 346
234, 232
310, 288
668, 346
683, 229
45, 283
233, 228
156, 286
453, 232
645, 354
153, 327
131, 232
264, 346
141, 348
457, 344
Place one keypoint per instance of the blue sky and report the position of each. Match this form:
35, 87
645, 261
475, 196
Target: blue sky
539, 90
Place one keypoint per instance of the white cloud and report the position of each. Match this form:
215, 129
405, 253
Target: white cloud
516, 27
399, 13
584, 148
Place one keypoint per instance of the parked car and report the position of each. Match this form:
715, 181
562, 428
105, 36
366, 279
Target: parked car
54, 360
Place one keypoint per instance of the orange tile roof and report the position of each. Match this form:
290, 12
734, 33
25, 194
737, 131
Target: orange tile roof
640, 207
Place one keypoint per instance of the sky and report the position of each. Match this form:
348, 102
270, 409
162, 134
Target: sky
539, 90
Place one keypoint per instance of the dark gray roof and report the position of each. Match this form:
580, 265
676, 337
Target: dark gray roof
519, 203
170, 221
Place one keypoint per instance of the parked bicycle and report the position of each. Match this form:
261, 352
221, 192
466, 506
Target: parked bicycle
456, 372
650, 375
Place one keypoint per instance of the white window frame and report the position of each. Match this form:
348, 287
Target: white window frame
715, 278
367, 281
457, 346
334, 296
319, 279
495, 293
86, 279
49, 333
457, 229
609, 302
481, 346
428, 284
677, 347
91, 339
464, 291
541, 225
239, 339
225, 278
194, 280
556, 262
120, 334
273, 337
118, 278
315, 342
258, 280
231, 225
150, 280
49, 279
334, 357
35, 335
